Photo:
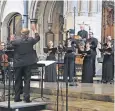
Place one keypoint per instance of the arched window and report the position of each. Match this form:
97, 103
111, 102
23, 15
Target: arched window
15, 25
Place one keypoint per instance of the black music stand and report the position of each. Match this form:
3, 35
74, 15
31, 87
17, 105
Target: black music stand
43, 64
9, 81
10, 55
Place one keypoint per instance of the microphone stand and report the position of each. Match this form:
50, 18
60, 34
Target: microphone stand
67, 83
4, 75
3, 70
58, 84
9, 82
59, 60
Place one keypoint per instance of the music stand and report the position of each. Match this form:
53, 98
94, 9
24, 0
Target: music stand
10, 54
43, 64
9, 74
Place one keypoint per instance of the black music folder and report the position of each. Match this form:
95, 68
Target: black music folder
52, 49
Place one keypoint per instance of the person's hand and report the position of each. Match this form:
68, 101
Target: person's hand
1, 47
12, 38
33, 26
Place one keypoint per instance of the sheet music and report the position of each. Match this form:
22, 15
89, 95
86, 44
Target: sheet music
47, 63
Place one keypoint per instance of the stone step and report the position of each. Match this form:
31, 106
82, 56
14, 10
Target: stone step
80, 95
74, 104
75, 93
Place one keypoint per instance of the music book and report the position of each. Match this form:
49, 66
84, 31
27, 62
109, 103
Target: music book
52, 49
45, 50
103, 50
46, 63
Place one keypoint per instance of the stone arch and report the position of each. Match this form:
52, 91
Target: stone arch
5, 27
44, 11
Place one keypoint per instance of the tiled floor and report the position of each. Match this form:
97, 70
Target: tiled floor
95, 88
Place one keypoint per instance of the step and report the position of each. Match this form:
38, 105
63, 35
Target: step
75, 94
22, 106
99, 92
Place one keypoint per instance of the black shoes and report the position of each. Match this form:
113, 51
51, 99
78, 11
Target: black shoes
73, 84
27, 101
17, 100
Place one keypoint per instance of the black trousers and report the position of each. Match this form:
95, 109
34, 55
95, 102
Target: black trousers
69, 67
20, 73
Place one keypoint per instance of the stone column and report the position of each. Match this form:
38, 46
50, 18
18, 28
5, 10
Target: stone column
99, 7
0, 21
65, 8
71, 5
70, 8
42, 35
84, 8
93, 7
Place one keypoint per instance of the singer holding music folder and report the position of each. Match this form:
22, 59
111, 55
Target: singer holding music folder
108, 61
87, 69
69, 58
24, 58
50, 71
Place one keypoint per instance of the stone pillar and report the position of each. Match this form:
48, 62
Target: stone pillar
70, 7
42, 35
65, 8
78, 7
93, 7
75, 4
99, 7
0, 21
65, 12
84, 8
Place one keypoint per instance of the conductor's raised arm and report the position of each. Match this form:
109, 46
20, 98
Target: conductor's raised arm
37, 37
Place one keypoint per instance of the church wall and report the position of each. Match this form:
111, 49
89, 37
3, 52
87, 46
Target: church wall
89, 12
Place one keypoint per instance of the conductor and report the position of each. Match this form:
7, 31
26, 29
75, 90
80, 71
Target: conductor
24, 58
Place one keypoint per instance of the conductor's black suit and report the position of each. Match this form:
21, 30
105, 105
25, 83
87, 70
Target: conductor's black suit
24, 58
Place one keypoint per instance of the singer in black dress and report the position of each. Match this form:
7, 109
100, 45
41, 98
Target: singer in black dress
87, 69
108, 64
50, 71
69, 60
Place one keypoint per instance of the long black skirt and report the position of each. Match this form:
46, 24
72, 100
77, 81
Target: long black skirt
108, 68
50, 71
87, 70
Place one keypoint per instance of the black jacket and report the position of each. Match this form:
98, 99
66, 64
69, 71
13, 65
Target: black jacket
24, 54
73, 46
83, 34
94, 42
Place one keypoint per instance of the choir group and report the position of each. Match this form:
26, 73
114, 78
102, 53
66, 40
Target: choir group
87, 48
